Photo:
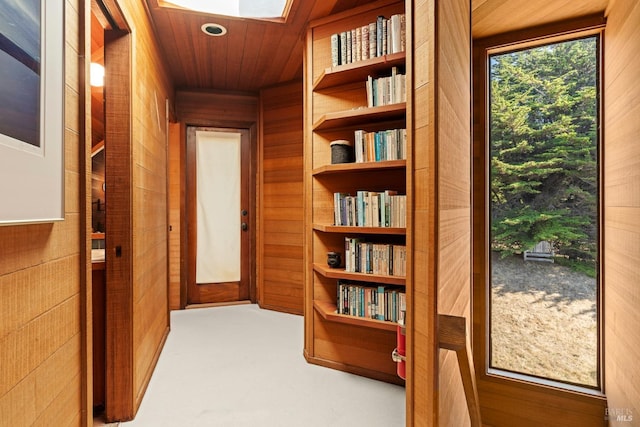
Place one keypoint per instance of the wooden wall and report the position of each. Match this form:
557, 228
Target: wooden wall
622, 211
146, 322
150, 277
441, 234
217, 109
453, 106
176, 200
422, 380
42, 313
280, 269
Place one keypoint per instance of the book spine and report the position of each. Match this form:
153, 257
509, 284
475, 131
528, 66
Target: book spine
335, 50
343, 48
376, 209
349, 50
360, 208
394, 22
403, 32
380, 311
365, 42
373, 40
358, 50
385, 35
379, 34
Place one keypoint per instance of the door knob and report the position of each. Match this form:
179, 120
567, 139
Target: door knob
244, 226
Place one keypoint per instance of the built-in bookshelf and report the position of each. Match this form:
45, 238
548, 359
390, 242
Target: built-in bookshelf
357, 209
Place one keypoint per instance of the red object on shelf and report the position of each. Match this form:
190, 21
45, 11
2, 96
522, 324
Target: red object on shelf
399, 353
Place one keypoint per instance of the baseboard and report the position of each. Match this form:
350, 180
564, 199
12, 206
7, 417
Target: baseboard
217, 304
357, 370
280, 309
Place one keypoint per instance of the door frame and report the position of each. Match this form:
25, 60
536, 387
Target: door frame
119, 380
184, 212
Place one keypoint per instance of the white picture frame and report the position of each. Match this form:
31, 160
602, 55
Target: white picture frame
32, 107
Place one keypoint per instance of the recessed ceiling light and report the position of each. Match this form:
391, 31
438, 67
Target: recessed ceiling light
214, 29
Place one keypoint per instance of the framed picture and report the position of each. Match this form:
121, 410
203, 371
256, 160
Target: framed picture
31, 111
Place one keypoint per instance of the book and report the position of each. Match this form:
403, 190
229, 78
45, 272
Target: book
358, 45
396, 29
403, 32
364, 31
379, 35
335, 50
373, 40
349, 47
343, 48
385, 35
381, 303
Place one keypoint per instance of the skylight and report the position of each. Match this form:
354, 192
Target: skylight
239, 8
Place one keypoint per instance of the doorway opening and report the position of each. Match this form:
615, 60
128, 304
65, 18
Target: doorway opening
111, 219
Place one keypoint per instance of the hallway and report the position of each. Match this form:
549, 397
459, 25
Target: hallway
243, 366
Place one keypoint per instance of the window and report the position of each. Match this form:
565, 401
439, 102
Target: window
238, 8
543, 218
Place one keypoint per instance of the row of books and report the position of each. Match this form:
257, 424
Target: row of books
371, 301
380, 146
370, 209
387, 90
379, 38
374, 258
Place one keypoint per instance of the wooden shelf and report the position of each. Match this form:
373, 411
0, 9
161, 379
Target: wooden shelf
348, 73
336, 101
328, 312
360, 230
360, 167
339, 273
363, 115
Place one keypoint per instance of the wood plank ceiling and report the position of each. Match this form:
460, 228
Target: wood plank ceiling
258, 53
252, 55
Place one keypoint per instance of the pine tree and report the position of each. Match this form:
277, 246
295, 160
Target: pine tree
544, 148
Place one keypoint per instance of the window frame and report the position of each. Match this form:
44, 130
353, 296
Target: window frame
525, 387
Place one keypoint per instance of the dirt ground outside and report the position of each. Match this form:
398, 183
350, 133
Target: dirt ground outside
544, 320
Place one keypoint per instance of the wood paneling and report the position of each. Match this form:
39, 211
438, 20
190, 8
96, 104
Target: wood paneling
441, 172
621, 273
491, 17
422, 342
176, 199
453, 140
136, 168
118, 240
217, 109
280, 269
42, 303
253, 55
151, 91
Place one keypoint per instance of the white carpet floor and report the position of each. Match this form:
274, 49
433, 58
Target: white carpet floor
242, 366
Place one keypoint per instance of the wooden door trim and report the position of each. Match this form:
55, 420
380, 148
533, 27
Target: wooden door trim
186, 181
119, 394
